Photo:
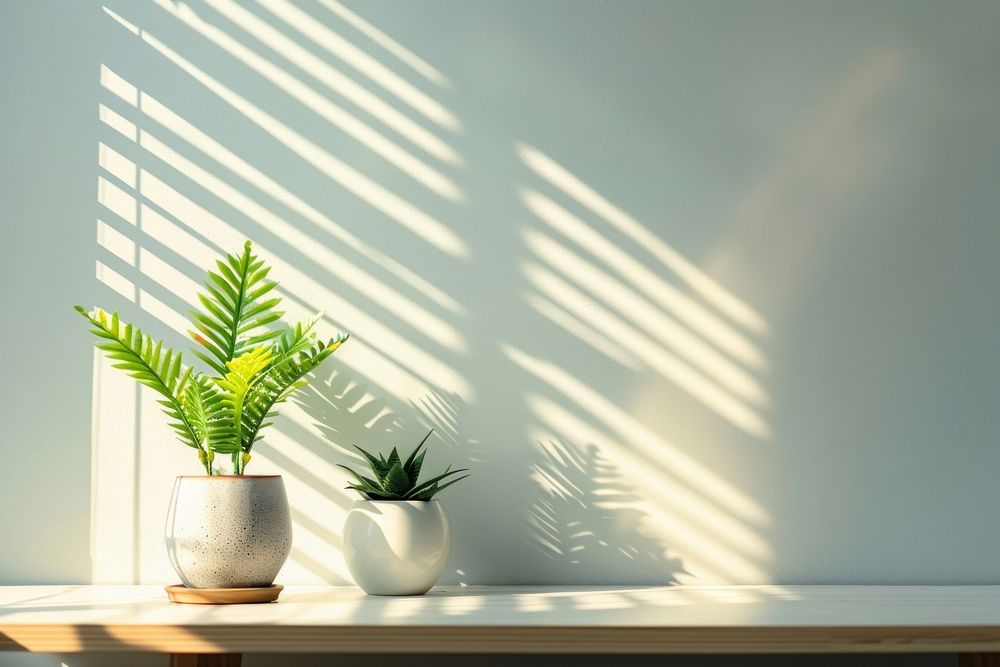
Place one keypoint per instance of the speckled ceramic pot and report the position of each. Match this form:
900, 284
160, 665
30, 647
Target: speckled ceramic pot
396, 547
228, 531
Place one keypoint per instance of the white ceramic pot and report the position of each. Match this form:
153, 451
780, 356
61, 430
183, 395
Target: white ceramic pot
228, 531
397, 547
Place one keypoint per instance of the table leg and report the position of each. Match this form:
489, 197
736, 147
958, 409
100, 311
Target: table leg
205, 659
979, 660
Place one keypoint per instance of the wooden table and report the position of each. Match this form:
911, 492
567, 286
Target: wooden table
535, 619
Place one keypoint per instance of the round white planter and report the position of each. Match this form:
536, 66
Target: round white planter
397, 547
228, 531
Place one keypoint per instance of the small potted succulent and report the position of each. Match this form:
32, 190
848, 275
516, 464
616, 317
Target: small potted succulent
224, 530
397, 539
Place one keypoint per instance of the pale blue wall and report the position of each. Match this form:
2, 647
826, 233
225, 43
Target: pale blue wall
831, 165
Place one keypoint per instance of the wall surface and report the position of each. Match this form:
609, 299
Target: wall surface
700, 291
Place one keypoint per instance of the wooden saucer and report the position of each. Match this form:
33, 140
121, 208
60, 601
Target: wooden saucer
183, 594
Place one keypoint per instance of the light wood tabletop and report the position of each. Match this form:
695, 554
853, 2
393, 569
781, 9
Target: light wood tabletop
671, 619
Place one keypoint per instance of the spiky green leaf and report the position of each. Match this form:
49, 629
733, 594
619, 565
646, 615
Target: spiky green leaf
420, 487
396, 482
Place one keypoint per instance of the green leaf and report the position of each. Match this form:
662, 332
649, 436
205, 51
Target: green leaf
412, 465
376, 464
396, 481
194, 405
232, 309
414, 470
280, 379
209, 413
371, 495
417, 489
392, 460
143, 359
258, 365
427, 494
370, 484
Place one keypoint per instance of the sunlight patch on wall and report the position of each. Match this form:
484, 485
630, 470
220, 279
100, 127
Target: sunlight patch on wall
336, 81
208, 225
640, 438
406, 56
116, 281
641, 313
197, 139
576, 327
661, 488
309, 98
112, 480
654, 356
318, 505
401, 211
664, 510
164, 313
117, 122
726, 302
116, 200
116, 164
363, 63
644, 280
172, 280
713, 546
116, 243
363, 358
399, 306
112, 82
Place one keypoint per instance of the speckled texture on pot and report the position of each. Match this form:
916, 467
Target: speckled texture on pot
228, 532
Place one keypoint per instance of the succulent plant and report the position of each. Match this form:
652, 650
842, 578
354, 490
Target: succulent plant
395, 479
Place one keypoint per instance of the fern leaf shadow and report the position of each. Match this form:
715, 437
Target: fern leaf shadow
347, 412
583, 519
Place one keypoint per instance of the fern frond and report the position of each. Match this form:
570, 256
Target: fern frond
244, 373
297, 338
235, 312
257, 365
279, 382
209, 414
148, 362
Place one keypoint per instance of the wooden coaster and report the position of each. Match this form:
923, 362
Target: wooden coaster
183, 594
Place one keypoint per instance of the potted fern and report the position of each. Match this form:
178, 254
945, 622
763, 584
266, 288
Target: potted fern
225, 529
397, 539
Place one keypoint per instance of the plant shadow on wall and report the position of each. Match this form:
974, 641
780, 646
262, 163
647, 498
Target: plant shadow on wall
601, 283
583, 519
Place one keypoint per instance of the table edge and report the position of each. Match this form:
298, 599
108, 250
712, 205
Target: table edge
49, 638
